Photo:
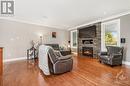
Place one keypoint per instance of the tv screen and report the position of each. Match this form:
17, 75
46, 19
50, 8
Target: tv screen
87, 32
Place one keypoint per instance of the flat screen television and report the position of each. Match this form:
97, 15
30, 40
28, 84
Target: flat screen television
87, 32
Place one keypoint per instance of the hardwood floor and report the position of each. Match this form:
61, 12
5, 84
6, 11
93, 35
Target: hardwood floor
1, 61
86, 72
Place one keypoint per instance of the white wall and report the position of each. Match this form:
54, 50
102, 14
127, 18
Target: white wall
15, 37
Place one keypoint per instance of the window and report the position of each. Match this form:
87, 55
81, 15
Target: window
74, 39
111, 38
110, 34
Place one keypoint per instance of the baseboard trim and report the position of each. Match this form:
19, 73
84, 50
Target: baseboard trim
15, 59
126, 62
23, 58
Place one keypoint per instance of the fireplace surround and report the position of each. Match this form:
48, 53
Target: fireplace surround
89, 46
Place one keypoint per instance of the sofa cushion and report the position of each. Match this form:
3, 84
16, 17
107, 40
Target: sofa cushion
57, 48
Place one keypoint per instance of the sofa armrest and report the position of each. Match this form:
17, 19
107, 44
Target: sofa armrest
103, 53
65, 52
65, 57
116, 55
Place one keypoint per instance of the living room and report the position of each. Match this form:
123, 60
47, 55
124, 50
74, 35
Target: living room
68, 43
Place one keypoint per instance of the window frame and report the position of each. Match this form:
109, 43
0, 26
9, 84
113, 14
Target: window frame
71, 33
103, 27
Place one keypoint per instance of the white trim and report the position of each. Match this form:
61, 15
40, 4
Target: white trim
24, 58
103, 37
98, 20
126, 62
102, 19
14, 59
29, 22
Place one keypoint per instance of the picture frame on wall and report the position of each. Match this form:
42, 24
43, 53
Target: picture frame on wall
53, 34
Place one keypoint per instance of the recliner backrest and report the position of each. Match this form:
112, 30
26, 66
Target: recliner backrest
114, 50
54, 46
52, 55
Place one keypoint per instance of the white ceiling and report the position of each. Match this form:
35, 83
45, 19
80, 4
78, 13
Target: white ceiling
65, 14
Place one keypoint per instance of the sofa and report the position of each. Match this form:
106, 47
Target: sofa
57, 48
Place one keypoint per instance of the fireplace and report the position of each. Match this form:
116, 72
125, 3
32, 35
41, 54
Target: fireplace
87, 51
89, 40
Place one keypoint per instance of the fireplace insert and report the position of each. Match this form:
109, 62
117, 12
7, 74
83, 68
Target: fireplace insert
87, 51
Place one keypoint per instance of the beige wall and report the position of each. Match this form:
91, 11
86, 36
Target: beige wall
15, 37
125, 33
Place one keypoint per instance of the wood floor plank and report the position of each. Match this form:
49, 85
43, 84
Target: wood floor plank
86, 72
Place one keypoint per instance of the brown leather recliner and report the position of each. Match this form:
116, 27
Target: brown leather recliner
59, 64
